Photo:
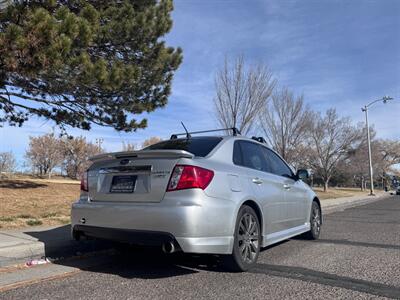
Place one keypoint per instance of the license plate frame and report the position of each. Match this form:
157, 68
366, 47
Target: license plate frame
123, 184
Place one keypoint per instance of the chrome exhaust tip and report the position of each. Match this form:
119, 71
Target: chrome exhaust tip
168, 247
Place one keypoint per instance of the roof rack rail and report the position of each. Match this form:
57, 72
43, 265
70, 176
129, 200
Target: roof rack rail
235, 132
259, 139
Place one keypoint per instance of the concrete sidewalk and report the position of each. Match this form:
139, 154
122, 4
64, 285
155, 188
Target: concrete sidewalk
17, 246
338, 204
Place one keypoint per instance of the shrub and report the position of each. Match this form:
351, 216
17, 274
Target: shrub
34, 222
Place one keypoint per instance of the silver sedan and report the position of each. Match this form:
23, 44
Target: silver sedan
227, 195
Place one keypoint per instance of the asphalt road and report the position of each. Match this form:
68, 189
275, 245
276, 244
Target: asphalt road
357, 257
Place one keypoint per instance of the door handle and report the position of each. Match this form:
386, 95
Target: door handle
286, 187
257, 180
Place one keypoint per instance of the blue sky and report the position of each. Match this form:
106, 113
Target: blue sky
339, 54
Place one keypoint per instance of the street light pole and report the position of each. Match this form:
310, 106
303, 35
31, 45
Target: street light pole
371, 171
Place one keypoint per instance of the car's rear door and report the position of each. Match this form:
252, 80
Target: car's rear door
267, 187
294, 190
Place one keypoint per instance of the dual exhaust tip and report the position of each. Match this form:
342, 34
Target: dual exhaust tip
168, 247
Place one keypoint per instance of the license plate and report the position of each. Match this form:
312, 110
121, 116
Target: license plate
123, 184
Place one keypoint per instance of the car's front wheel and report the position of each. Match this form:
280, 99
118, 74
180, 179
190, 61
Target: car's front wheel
315, 222
247, 241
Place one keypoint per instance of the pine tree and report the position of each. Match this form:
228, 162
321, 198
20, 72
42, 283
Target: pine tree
80, 63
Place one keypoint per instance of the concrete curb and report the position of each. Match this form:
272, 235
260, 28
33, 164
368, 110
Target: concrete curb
25, 249
14, 254
17, 276
328, 208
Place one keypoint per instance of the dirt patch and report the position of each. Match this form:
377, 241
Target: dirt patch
25, 203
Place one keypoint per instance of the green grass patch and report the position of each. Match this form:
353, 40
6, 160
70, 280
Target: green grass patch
7, 219
25, 216
49, 215
34, 222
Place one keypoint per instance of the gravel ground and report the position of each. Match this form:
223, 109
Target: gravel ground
357, 257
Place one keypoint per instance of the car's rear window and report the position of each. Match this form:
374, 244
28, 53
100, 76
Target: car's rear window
199, 146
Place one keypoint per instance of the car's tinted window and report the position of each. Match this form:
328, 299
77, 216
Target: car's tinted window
253, 156
237, 154
276, 164
199, 146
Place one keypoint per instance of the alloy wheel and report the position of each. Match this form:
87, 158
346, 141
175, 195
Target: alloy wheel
248, 238
316, 220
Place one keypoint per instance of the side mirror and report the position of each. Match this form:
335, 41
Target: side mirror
302, 174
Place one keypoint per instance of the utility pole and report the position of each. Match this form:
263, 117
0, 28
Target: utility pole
99, 142
371, 171
365, 109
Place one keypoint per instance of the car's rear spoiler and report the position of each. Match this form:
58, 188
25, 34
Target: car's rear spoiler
144, 154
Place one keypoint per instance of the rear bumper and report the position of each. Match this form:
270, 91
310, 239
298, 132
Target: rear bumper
215, 245
140, 237
198, 223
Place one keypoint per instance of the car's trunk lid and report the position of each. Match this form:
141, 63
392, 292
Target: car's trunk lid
133, 176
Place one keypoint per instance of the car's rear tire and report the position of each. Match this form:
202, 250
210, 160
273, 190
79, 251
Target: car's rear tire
315, 222
247, 241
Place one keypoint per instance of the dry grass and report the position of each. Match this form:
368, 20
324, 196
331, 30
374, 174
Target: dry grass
32, 202
37, 178
338, 192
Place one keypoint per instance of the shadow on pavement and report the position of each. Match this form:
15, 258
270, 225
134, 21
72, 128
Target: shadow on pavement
137, 262
123, 260
151, 263
59, 244
20, 184
115, 258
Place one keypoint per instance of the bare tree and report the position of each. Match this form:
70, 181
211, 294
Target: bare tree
385, 154
389, 152
7, 162
331, 139
151, 141
355, 166
76, 153
126, 146
285, 122
241, 93
44, 153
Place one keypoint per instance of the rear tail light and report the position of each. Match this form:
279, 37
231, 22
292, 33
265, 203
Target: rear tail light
84, 182
189, 177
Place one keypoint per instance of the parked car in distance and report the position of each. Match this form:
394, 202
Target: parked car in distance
398, 190
228, 195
